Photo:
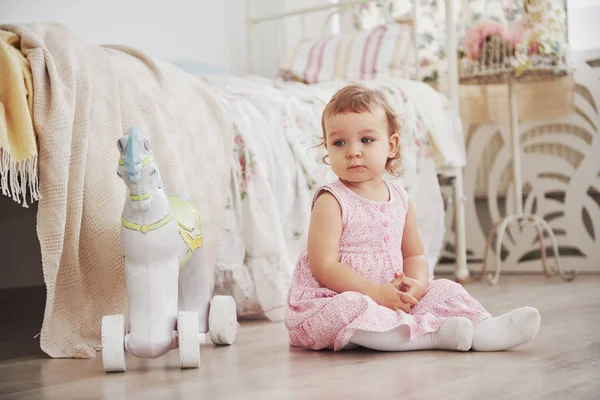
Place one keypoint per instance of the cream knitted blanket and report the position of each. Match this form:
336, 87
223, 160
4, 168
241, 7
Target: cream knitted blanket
84, 98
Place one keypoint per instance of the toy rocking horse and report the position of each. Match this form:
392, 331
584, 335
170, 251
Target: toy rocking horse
168, 289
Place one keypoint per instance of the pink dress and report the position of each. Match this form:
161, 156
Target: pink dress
319, 318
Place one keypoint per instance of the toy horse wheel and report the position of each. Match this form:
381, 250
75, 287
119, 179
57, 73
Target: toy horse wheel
189, 339
113, 343
222, 320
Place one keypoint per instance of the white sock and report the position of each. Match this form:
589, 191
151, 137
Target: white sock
506, 331
454, 334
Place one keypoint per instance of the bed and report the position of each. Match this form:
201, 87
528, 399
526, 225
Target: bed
239, 147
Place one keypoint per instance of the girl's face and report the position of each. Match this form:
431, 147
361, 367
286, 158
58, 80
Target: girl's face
359, 145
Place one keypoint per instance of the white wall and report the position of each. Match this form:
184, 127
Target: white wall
213, 31
208, 30
584, 29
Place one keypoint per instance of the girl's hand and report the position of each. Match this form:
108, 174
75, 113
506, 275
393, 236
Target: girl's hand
411, 286
387, 295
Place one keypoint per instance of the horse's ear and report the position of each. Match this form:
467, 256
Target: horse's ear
147, 145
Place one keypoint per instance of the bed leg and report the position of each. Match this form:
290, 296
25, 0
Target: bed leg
461, 272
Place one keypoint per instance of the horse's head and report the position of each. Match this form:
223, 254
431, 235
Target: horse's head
138, 169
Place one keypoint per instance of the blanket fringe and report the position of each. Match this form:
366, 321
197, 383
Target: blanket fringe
17, 177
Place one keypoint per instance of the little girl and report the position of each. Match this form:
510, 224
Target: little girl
363, 278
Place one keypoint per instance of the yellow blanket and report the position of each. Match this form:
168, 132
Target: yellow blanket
18, 150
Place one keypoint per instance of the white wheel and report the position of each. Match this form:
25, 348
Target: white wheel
189, 339
222, 320
113, 343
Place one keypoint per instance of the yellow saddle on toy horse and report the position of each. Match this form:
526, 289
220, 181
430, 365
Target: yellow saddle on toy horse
188, 223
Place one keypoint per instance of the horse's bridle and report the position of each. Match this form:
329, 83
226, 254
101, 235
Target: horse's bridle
143, 196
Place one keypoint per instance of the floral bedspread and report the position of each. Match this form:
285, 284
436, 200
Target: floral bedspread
277, 168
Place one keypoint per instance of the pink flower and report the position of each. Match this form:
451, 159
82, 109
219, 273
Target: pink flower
239, 141
477, 34
534, 48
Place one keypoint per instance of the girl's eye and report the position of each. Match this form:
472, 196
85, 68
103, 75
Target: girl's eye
153, 171
367, 140
338, 143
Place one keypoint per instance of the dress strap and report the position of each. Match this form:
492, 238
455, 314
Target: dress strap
399, 193
338, 192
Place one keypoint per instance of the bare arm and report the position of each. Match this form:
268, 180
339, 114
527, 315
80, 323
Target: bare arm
415, 263
324, 236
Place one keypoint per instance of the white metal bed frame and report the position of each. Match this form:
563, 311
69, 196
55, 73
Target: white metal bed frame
461, 272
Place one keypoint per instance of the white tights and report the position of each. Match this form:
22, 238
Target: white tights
504, 332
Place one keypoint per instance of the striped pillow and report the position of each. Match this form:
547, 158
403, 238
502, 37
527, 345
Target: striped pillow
386, 51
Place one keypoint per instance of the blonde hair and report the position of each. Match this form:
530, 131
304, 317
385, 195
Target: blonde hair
358, 98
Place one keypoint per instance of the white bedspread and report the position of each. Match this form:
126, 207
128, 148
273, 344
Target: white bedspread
276, 172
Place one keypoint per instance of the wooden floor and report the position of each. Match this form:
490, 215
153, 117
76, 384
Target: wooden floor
563, 362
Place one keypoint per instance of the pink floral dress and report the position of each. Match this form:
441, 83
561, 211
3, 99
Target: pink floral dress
371, 243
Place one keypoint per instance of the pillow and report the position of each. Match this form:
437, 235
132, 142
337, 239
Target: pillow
385, 51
